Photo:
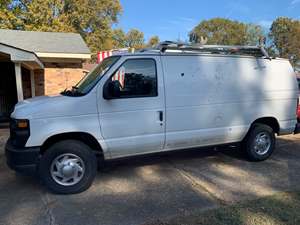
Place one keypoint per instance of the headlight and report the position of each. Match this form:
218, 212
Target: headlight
19, 132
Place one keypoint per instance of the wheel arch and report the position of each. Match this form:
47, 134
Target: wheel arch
270, 121
86, 138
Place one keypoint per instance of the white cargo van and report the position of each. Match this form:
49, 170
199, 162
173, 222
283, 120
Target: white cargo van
168, 98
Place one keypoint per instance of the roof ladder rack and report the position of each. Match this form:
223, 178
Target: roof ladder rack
257, 51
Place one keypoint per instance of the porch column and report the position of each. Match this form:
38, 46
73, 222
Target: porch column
19, 81
32, 83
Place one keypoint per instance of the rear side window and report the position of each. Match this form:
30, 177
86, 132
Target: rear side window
137, 78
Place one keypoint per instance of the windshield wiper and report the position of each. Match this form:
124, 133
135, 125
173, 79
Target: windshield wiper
73, 92
64, 92
77, 93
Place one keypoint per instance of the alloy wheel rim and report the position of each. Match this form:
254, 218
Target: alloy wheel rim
262, 143
67, 169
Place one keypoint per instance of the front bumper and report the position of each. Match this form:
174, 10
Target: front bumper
297, 129
23, 160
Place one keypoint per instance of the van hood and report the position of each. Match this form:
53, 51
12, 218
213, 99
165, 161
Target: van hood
53, 106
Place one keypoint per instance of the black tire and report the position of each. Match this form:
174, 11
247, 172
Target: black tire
73, 147
249, 142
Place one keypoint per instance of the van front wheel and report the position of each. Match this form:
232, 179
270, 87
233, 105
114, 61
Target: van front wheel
260, 142
68, 167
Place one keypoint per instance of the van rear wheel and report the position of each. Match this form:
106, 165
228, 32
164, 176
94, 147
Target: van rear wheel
68, 167
259, 144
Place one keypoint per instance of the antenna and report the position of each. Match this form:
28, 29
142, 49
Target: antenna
262, 41
262, 44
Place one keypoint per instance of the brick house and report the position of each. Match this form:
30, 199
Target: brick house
38, 63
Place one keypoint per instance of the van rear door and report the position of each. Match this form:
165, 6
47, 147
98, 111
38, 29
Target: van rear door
134, 122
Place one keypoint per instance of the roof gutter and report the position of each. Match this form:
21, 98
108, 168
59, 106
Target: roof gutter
64, 55
20, 55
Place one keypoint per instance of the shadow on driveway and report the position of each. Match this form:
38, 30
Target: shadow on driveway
142, 189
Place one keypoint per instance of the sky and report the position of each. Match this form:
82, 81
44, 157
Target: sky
174, 19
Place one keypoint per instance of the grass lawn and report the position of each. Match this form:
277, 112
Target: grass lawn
282, 208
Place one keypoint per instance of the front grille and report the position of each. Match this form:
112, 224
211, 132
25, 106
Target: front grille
12, 128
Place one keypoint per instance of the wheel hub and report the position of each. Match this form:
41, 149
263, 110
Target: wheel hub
262, 143
67, 169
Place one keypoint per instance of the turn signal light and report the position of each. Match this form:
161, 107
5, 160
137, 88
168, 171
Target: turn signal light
22, 124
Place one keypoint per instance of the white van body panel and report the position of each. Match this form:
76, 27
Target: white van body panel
214, 100
205, 100
131, 126
52, 115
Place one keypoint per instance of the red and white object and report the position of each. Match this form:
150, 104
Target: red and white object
102, 55
120, 76
298, 110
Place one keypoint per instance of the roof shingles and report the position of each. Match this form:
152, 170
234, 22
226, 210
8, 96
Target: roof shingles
44, 42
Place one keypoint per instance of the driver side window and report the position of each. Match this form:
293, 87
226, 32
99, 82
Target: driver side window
136, 78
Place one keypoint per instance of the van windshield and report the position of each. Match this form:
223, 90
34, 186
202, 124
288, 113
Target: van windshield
92, 78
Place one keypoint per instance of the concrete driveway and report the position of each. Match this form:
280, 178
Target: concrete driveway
142, 190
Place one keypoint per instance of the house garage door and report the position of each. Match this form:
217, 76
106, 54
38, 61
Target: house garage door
8, 92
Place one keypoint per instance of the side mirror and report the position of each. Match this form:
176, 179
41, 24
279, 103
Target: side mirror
112, 90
